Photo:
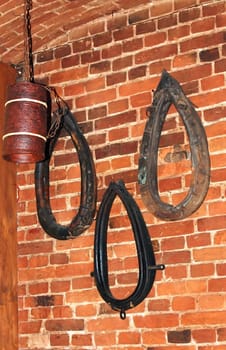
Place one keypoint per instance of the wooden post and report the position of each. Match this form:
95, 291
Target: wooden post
8, 232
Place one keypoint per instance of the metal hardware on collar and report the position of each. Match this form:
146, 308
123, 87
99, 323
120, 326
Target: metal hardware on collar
169, 92
146, 258
86, 211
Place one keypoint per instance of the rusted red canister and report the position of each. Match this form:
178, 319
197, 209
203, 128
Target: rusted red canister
25, 127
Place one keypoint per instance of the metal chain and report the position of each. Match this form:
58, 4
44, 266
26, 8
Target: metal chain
58, 114
28, 57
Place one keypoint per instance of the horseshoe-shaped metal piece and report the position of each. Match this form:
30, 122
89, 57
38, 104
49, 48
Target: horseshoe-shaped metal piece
146, 258
169, 92
87, 208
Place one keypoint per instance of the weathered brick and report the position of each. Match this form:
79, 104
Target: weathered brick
138, 16
64, 325
181, 336
209, 55
62, 51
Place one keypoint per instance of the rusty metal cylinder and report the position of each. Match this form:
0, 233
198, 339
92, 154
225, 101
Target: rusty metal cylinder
25, 129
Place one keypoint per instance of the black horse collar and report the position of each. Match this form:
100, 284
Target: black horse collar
87, 208
146, 259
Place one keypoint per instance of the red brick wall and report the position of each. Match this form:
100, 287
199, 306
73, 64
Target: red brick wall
107, 74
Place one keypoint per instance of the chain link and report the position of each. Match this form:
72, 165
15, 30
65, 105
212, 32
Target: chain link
58, 114
28, 57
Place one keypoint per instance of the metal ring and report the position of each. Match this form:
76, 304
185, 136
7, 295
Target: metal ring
87, 208
169, 92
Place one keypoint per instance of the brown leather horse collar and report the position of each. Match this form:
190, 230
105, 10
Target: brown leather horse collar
169, 92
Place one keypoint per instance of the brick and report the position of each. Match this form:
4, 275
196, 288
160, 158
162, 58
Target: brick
209, 55
208, 254
167, 21
179, 32
69, 75
159, 305
82, 45
172, 243
122, 63
105, 339
100, 67
212, 82
201, 318
115, 51
30, 327
156, 53
38, 288
129, 338
179, 337
213, 8
161, 9
155, 39
188, 14
221, 20
217, 285
95, 84
138, 16
122, 34
220, 65
60, 286
185, 60
200, 41
221, 268
59, 258
97, 27
35, 248
212, 223
147, 27
95, 98
204, 335
118, 106
82, 339
62, 312
132, 45
74, 89
176, 272
98, 112
90, 57
62, 51
199, 240
185, 303
181, 287
157, 67
102, 39
176, 257
106, 324
64, 325
116, 22
116, 120
70, 61
201, 270
116, 78
221, 334
203, 25
45, 56
162, 320
59, 339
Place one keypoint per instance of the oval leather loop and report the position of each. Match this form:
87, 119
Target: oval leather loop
169, 92
146, 259
87, 208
